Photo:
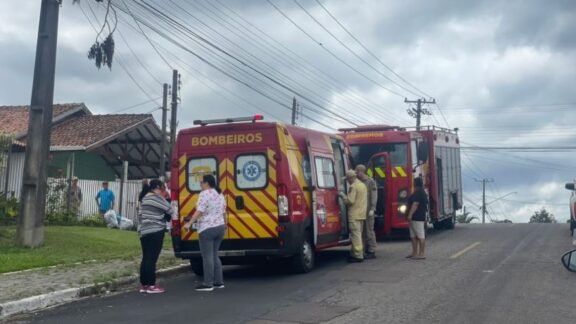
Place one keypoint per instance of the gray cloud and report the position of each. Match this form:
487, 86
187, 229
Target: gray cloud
465, 53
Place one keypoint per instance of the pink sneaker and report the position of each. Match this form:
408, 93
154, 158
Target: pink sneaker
154, 289
143, 289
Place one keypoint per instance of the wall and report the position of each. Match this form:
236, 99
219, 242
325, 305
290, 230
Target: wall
86, 166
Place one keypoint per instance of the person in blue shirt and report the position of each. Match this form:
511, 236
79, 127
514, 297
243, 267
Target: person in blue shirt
105, 199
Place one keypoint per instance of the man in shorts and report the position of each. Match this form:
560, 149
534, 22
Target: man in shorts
418, 206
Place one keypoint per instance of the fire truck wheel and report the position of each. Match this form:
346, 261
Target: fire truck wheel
438, 225
303, 261
197, 266
450, 223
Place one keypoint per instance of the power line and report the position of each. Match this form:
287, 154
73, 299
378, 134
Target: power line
352, 51
294, 57
330, 52
369, 51
234, 58
276, 54
122, 66
270, 68
146, 36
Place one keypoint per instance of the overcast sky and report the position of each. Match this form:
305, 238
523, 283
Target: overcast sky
503, 72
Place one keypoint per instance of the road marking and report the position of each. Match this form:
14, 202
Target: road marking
459, 254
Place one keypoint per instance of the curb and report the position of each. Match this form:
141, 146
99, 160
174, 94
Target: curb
34, 303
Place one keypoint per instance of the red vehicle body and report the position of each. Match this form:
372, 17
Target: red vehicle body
281, 185
394, 157
572, 187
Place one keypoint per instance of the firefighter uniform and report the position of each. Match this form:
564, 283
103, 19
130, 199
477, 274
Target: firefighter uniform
357, 202
369, 237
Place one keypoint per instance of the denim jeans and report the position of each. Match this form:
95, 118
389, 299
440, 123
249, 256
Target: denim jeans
210, 240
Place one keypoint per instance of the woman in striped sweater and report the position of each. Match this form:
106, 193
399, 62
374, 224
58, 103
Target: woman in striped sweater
152, 216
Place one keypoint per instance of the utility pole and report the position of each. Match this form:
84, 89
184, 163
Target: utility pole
174, 108
33, 197
484, 181
419, 111
294, 110
164, 135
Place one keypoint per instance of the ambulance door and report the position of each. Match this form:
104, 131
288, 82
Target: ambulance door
341, 165
197, 167
378, 168
325, 208
252, 199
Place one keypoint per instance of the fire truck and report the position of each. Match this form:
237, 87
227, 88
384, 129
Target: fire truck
394, 156
281, 184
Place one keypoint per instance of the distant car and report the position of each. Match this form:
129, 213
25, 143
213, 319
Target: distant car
571, 187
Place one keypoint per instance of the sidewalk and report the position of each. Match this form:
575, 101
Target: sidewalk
21, 285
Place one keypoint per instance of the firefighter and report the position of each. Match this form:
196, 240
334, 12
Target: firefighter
356, 199
368, 235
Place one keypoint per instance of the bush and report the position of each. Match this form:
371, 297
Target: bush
93, 221
60, 218
8, 210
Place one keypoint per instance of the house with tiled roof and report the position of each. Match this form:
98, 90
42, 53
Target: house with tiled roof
86, 145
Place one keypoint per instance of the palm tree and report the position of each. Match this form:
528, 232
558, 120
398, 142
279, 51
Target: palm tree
465, 218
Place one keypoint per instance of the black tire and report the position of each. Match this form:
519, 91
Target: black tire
438, 225
197, 266
303, 261
450, 223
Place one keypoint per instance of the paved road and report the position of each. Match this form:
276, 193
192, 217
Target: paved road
497, 273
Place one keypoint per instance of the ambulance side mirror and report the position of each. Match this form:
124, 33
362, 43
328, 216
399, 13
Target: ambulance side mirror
422, 152
569, 260
569, 186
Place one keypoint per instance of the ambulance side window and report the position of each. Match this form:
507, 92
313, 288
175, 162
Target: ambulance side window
197, 168
307, 170
325, 172
251, 171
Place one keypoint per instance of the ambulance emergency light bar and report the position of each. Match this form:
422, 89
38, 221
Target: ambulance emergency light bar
228, 120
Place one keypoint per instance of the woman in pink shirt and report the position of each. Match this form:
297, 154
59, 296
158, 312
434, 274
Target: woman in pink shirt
211, 227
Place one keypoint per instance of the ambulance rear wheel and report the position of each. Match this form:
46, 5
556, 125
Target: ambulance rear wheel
303, 261
197, 266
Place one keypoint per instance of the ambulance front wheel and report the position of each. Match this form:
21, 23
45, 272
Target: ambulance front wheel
197, 267
303, 261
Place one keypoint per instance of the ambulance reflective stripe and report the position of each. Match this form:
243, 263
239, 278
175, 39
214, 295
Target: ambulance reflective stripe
261, 219
401, 171
295, 159
270, 190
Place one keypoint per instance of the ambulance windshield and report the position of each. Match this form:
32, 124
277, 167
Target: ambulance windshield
361, 153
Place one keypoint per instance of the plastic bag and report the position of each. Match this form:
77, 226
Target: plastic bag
111, 219
126, 224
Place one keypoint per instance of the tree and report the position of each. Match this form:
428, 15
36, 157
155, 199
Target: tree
465, 218
542, 216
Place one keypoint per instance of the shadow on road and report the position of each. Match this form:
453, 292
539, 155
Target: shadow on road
279, 268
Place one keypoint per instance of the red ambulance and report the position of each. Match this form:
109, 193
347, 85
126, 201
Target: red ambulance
281, 185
